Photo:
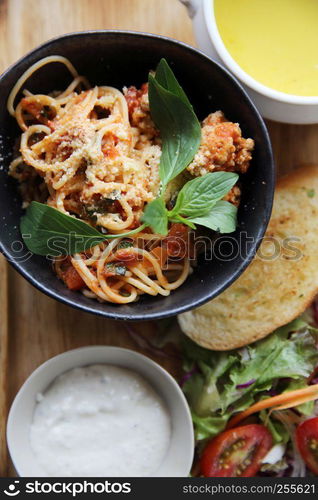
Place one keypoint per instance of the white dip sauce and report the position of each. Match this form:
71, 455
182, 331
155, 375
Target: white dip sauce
100, 420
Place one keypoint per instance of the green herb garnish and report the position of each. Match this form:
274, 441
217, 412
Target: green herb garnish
125, 244
221, 217
180, 131
47, 231
179, 127
118, 269
311, 193
198, 202
155, 216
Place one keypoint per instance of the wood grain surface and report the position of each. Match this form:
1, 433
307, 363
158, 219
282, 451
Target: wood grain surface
34, 327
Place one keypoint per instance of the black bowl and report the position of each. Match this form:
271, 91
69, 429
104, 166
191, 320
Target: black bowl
120, 58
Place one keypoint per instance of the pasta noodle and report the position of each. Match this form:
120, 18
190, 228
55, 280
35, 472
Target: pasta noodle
96, 165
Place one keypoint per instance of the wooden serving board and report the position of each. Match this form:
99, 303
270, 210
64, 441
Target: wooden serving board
34, 327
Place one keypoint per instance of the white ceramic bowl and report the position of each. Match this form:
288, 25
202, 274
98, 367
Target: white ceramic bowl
271, 103
178, 460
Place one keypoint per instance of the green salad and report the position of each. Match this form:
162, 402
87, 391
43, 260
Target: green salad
270, 388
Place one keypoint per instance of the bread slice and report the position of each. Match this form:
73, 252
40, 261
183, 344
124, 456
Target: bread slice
281, 281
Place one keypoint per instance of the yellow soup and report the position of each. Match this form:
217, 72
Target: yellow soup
274, 41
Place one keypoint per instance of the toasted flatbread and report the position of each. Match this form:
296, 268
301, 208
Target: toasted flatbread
281, 281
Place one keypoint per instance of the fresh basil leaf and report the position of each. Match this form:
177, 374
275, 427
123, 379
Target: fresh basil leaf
179, 127
165, 77
198, 196
221, 218
155, 216
47, 231
182, 220
123, 235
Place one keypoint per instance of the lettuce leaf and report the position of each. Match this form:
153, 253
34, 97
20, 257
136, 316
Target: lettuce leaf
306, 409
279, 432
229, 382
208, 426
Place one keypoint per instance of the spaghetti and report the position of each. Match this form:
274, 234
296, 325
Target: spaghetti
94, 153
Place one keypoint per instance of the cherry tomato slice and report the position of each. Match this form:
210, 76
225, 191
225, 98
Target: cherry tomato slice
126, 255
307, 442
176, 242
237, 452
72, 279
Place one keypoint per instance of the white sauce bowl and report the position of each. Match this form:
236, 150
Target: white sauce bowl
178, 460
271, 103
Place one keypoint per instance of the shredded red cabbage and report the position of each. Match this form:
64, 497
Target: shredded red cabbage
188, 375
246, 384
